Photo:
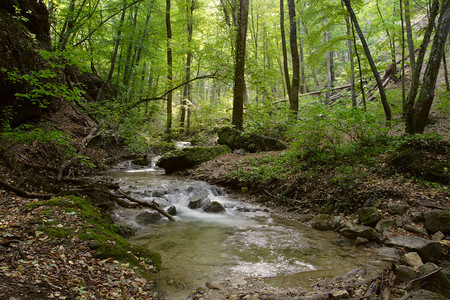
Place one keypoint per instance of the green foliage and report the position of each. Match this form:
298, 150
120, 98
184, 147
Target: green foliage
443, 102
267, 120
323, 131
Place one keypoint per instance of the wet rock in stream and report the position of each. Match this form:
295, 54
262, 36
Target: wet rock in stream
213, 207
148, 217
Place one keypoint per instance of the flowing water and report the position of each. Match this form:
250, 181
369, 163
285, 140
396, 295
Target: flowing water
244, 241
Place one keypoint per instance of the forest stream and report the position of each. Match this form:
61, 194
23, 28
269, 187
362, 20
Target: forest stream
244, 241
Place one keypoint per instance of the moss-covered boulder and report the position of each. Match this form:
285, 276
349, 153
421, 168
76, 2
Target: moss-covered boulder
368, 215
250, 142
186, 158
426, 157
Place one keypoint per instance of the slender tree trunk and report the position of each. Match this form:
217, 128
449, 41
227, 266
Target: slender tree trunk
169, 70
284, 49
361, 82
447, 83
114, 55
425, 100
328, 58
239, 80
131, 45
293, 96
387, 109
412, 58
391, 42
352, 66
187, 87
411, 98
403, 58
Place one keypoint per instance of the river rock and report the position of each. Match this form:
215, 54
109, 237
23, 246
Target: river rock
354, 231
384, 225
389, 253
439, 282
412, 259
395, 208
438, 236
250, 142
213, 207
406, 274
172, 210
437, 220
322, 222
198, 200
368, 215
148, 217
186, 158
335, 222
414, 229
360, 241
340, 294
428, 250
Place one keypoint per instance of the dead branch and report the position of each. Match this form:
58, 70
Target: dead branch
418, 280
23, 193
343, 87
163, 96
83, 145
152, 205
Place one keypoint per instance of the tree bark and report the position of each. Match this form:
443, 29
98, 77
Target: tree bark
293, 96
187, 88
411, 98
409, 36
328, 59
284, 49
352, 66
169, 70
387, 109
114, 55
425, 100
239, 80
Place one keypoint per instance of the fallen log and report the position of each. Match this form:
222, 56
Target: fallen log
23, 193
143, 203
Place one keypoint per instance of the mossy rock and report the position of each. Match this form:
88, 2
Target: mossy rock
186, 158
250, 142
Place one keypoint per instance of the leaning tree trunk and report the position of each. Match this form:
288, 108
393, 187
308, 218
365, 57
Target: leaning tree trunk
409, 36
387, 109
423, 105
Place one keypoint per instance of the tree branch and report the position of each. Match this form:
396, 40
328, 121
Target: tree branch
134, 105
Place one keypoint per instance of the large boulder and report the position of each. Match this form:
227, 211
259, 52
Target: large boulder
354, 231
213, 207
437, 220
428, 250
148, 217
322, 222
368, 215
250, 142
186, 158
198, 200
425, 157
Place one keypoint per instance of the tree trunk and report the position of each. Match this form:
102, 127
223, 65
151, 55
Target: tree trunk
328, 58
187, 88
423, 105
361, 82
169, 70
293, 96
410, 100
403, 58
409, 36
352, 66
239, 80
114, 55
284, 49
387, 109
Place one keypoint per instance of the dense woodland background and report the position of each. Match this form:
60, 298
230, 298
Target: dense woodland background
154, 69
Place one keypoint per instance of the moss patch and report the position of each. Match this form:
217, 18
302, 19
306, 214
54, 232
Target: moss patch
89, 224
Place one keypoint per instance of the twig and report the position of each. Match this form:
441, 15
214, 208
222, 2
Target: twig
411, 284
